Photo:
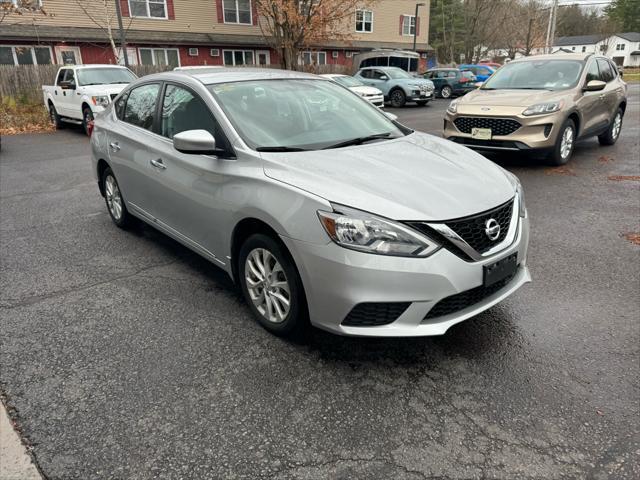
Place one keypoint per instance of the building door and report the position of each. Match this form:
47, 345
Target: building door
263, 57
68, 55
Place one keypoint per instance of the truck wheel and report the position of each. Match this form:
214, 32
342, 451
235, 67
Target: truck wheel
55, 118
87, 118
398, 98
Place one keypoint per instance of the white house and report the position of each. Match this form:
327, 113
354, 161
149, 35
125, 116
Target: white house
622, 48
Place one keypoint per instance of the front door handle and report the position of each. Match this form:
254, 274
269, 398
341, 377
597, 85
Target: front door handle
115, 146
602, 95
158, 164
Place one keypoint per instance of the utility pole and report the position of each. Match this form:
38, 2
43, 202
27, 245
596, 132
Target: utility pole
415, 28
123, 40
551, 29
527, 48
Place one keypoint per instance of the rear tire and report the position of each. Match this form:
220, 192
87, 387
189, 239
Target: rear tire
398, 98
272, 287
55, 118
613, 132
445, 92
114, 200
565, 143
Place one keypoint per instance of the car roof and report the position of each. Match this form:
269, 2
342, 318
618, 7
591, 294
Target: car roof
381, 68
96, 65
224, 75
333, 75
556, 56
442, 68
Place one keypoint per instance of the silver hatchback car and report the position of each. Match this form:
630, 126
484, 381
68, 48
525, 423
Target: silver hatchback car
317, 204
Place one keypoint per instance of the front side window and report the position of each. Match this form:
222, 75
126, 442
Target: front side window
364, 21
237, 11
408, 25
140, 108
148, 8
238, 57
536, 75
104, 76
606, 75
160, 56
396, 73
299, 114
592, 72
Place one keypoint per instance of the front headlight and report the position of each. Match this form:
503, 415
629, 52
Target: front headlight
101, 101
453, 106
368, 233
543, 108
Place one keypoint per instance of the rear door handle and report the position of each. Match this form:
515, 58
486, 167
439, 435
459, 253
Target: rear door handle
158, 164
115, 146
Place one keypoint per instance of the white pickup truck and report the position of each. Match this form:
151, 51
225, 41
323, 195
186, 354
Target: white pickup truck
81, 91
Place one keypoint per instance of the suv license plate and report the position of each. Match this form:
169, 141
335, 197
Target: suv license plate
500, 270
481, 133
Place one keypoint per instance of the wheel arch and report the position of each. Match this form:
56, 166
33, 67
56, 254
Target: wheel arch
575, 116
101, 166
84, 105
243, 230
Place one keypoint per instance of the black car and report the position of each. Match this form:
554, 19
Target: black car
451, 81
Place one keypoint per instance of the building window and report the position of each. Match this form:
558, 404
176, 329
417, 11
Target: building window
620, 46
313, 58
238, 57
237, 11
148, 8
584, 49
23, 55
364, 21
160, 56
408, 25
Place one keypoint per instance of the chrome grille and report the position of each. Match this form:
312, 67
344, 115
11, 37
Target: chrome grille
498, 126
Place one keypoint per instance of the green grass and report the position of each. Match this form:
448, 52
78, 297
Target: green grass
631, 77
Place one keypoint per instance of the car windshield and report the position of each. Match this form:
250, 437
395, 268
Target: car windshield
536, 75
348, 81
395, 73
300, 114
104, 76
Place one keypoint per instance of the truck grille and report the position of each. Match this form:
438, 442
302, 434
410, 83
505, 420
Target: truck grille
498, 126
472, 229
374, 314
462, 300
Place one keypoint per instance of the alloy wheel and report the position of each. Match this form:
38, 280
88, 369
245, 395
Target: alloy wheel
397, 98
617, 126
267, 285
566, 144
445, 92
114, 199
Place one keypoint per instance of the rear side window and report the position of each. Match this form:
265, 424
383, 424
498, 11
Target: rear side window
606, 75
140, 109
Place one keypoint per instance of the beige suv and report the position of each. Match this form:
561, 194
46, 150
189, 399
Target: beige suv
541, 103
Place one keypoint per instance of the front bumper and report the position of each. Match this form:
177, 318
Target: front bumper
337, 279
420, 96
376, 100
535, 133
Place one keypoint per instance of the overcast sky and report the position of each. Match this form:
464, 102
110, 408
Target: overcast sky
586, 3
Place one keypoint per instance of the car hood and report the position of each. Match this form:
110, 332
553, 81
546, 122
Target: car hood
364, 90
509, 98
417, 177
114, 89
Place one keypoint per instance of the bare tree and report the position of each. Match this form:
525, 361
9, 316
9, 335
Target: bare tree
290, 26
20, 10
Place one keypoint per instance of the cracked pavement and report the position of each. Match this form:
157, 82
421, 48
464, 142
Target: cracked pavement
125, 355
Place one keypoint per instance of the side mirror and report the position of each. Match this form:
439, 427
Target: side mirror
67, 85
621, 72
198, 142
384, 78
594, 86
391, 116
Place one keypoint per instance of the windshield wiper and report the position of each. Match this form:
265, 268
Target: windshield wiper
280, 149
359, 140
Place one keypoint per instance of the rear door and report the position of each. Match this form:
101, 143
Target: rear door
610, 92
133, 145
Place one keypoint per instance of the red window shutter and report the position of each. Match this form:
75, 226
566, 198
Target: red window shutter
417, 26
401, 20
220, 11
254, 13
124, 8
170, 11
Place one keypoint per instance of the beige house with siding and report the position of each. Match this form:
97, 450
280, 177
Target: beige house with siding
192, 32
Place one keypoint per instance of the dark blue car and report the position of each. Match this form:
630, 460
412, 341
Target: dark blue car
482, 72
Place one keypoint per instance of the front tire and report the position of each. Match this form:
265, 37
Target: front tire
271, 286
398, 98
446, 92
115, 203
565, 144
613, 132
87, 118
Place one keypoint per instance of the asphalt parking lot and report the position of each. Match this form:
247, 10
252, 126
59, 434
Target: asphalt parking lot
126, 356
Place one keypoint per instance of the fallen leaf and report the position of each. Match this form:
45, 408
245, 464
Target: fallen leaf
564, 170
633, 237
605, 159
622, 178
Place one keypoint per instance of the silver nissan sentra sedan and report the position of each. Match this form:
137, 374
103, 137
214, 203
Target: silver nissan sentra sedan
318, 205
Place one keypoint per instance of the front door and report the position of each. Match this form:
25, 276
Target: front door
591, 104
263, 57
68, 55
